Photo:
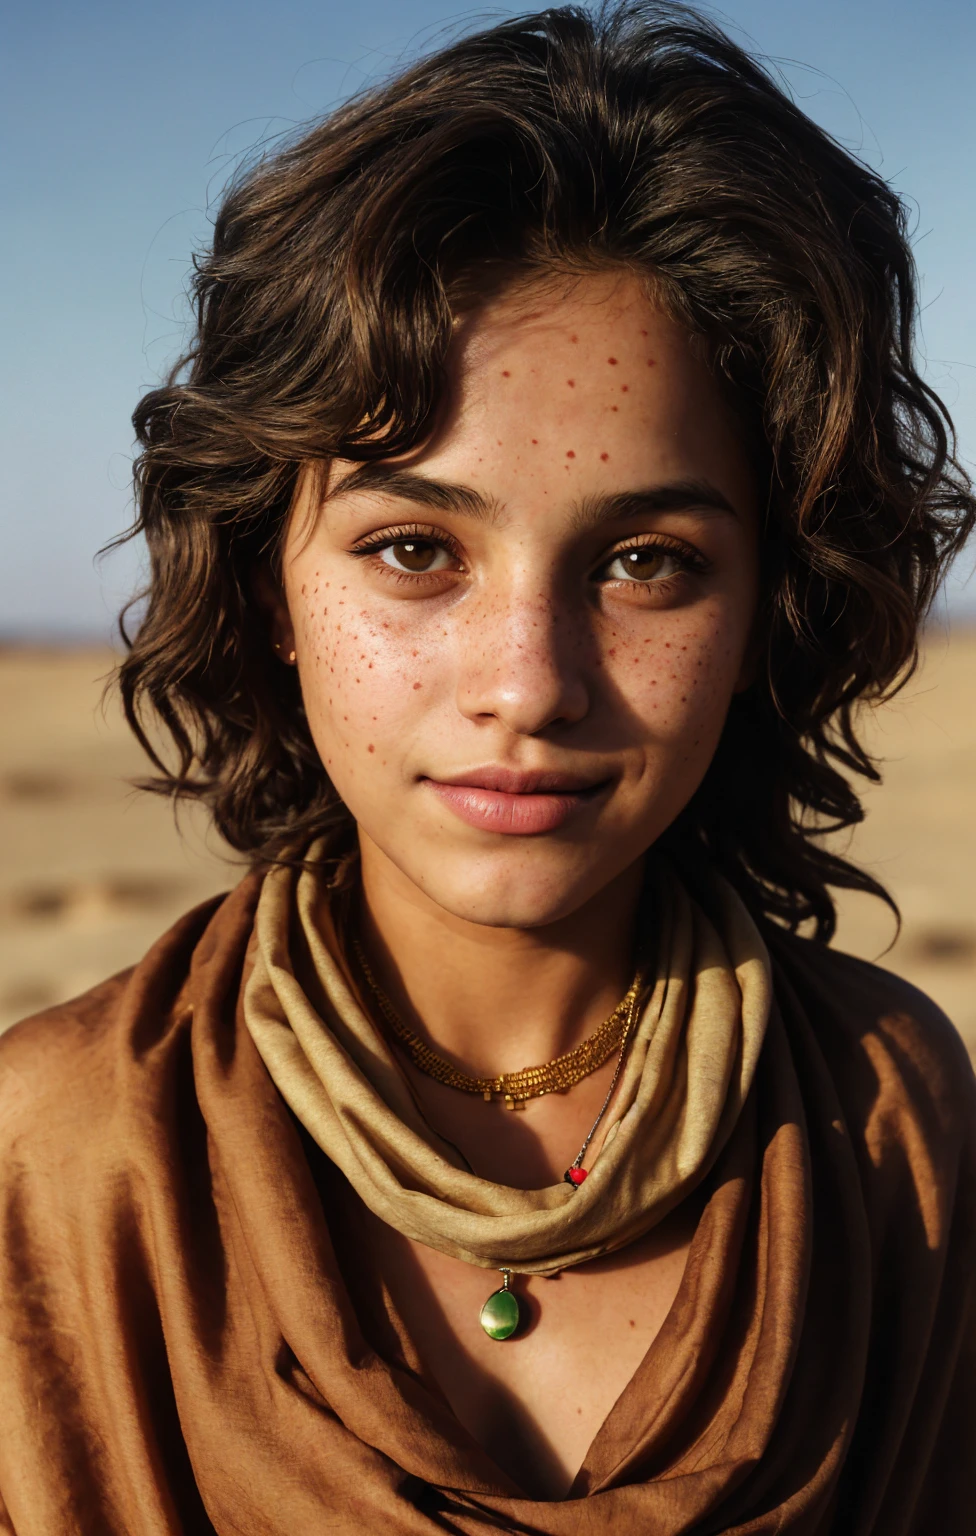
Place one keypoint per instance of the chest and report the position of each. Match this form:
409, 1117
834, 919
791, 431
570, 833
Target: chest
534, 1401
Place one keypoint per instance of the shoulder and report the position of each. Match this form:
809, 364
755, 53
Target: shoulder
60, 1069
899, 1065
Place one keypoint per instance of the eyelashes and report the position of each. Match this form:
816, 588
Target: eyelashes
413, 552
640, 562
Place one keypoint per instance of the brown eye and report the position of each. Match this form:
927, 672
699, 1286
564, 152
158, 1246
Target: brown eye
415, 555
645, 563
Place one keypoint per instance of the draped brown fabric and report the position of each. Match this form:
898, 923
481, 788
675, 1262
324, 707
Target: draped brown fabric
186, 1345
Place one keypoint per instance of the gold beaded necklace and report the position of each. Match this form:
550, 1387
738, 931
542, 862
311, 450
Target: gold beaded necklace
513, 1087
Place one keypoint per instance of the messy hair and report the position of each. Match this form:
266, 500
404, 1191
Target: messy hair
640, 137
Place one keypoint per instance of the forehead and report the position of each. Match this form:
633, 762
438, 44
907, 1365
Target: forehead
571, 313
562, 392
587, 376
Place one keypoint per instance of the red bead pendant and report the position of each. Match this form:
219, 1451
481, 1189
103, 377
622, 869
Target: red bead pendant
575, 1176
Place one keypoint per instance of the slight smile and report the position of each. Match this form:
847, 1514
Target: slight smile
523, 804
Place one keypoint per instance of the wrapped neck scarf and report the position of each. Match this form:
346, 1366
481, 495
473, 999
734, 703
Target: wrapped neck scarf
688, 1070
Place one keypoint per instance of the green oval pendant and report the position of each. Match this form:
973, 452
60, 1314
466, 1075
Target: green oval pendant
500, 1315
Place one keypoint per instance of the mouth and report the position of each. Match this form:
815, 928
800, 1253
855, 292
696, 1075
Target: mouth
522, 803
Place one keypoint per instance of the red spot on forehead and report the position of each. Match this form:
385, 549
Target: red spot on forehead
624, 388
651, 361
536, 441
571, 383
612, 361
604, 457
570, 454
371, 748
574, 338
506, 374
615, 407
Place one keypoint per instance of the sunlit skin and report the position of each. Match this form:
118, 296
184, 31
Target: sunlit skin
517, 648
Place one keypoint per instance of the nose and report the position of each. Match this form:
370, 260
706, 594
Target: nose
523, 664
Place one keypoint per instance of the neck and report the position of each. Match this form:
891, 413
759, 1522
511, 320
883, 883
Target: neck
494, 999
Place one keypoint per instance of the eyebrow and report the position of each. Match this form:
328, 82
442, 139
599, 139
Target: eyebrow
438, 495
445, 496
676, 496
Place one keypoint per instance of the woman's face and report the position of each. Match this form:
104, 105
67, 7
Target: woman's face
517, 646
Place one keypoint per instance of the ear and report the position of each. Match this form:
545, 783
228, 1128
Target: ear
270, 599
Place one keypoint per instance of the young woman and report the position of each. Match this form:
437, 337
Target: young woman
548, 483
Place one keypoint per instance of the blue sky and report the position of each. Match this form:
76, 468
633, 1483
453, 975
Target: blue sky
122, 122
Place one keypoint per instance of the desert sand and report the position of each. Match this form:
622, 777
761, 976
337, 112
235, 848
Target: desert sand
93, 869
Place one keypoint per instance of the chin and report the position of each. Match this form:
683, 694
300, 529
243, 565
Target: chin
516, 896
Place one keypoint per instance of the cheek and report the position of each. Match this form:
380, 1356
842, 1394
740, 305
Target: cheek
678, 680
364, 676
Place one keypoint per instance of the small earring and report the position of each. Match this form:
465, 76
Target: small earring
291, 655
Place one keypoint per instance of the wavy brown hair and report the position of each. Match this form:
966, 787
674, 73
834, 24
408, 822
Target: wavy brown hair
638, 136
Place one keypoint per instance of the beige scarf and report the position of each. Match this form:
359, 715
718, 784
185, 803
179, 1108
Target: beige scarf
686, 1076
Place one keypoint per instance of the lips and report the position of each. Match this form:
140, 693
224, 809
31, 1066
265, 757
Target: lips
515, 801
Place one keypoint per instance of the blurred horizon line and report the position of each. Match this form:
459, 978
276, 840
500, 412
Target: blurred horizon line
47, 638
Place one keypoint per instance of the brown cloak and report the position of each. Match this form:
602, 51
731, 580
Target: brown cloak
185, 1345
